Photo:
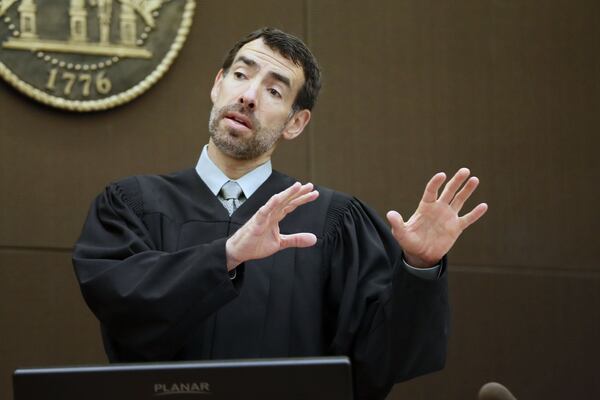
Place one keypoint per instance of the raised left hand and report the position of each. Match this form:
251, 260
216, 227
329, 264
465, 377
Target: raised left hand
434, 227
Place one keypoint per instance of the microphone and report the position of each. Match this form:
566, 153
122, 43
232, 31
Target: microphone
495, 391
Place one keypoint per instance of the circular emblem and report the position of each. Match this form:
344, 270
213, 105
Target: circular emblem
86, 55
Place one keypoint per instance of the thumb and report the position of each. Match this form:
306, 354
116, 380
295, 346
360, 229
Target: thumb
298, 240
397, 223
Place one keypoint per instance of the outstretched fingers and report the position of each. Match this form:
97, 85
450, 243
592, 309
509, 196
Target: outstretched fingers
471, 217
463, 195
454, 184
299, 201
302, 196
431, 190
278, 203
275, 202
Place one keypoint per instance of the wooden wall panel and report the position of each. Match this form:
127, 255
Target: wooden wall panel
507, 88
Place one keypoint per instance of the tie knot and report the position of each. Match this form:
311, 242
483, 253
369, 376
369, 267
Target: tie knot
231, 190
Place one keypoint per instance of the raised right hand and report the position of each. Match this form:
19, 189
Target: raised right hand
260, 236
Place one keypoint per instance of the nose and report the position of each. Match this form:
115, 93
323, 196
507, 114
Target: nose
248, 98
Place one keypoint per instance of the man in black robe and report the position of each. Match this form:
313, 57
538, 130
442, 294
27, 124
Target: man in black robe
177, 269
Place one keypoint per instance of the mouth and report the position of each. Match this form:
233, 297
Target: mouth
239, 119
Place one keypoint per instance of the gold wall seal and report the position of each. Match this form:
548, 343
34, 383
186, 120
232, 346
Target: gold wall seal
86, 55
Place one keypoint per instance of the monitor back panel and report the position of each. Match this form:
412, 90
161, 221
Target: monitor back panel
306, 378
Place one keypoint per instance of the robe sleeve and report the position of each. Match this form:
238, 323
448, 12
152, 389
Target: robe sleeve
147, 300
392, 324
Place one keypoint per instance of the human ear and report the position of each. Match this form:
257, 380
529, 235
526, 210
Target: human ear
214, 92
296, 124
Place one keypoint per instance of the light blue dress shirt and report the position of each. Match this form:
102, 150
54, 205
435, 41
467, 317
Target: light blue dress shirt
214, 178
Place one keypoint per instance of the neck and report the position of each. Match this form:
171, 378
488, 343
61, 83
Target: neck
233, 167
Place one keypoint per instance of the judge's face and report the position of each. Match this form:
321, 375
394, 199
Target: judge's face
252, 103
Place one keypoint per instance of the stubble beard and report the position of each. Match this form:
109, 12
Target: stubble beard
235, 145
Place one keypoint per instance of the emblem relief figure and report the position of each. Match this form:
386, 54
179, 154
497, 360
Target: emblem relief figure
72, 51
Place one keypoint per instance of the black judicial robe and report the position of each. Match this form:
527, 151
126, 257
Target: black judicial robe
151, 265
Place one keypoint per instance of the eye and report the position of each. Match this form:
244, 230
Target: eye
238, 75
274, 93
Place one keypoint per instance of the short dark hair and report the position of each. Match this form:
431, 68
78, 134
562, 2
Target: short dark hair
294, 50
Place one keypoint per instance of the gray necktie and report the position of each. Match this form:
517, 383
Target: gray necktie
231, 196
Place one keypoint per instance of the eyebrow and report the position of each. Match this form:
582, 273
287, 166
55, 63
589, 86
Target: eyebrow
275, 75
245, 60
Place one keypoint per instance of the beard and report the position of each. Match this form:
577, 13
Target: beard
237, 146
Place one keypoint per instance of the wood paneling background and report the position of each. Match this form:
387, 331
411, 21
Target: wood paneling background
506, 87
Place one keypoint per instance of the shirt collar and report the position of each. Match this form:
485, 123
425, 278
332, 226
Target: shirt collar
214, 178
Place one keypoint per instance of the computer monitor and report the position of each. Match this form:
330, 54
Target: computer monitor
265, 379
